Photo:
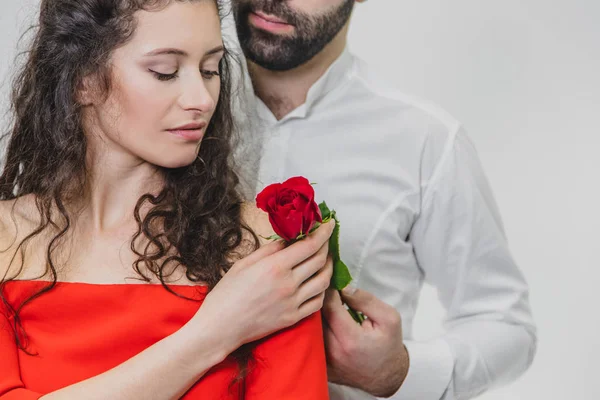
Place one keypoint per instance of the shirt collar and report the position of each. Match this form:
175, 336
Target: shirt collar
335, 76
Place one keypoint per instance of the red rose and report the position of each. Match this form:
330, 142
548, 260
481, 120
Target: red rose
291, 207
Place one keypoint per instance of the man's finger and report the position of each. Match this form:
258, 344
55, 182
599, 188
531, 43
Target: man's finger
376, 310
338, 319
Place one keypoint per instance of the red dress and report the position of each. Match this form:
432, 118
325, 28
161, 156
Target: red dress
81, 330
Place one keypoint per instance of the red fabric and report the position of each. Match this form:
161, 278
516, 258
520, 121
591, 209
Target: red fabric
80, 330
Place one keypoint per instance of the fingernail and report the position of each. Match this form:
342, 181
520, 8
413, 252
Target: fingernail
349, 290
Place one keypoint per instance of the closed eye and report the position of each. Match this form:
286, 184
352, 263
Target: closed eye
164, 77
208, 74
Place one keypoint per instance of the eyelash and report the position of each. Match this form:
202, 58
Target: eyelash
206, 74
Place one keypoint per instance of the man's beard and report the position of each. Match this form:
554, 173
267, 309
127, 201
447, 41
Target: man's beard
285, 52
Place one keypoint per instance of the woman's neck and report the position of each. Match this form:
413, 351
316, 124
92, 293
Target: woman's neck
116, 181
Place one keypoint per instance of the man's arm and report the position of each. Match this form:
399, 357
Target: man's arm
459, 242
370, 356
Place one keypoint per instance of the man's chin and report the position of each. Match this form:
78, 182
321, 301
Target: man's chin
272, 55
271, 64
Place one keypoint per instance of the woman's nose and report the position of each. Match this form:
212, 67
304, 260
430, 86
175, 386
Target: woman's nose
196, 96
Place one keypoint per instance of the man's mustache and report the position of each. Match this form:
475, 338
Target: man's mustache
279, 9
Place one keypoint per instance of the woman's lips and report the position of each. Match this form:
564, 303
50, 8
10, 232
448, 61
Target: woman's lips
269, 23
192, 132
193, 135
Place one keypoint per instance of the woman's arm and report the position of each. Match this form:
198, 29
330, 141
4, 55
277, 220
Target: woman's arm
11, 386
271, 289
165, 370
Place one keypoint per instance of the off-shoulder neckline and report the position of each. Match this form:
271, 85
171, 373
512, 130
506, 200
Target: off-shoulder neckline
93, 284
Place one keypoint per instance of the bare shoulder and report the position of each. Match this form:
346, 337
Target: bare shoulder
21, 211
258, 221
18, 218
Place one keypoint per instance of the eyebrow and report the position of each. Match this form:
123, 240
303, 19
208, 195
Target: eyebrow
179, 52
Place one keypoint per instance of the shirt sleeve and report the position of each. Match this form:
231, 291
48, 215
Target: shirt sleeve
459, 242
11, 386
290, 364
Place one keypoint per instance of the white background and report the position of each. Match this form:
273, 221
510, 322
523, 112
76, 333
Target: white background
524, 77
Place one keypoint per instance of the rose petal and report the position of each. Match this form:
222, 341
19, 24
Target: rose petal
287, 224
301, 185
264, 197
291, 207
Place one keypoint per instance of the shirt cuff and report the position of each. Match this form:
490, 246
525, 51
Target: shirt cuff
429, 372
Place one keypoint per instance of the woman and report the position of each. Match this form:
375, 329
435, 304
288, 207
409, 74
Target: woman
119, 157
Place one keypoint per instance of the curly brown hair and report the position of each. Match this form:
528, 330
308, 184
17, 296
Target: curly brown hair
198, 211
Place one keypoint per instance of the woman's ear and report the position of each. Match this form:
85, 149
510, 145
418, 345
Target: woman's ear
87, 91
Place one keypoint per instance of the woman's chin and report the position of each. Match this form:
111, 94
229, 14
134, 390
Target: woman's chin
176, 162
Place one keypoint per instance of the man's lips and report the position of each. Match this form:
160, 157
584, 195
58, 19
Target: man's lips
269, 23
270, 18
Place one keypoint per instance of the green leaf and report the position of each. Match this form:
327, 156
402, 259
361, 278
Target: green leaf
357, 315
325, 211
314, 228
300, 236
272, 237
341, 274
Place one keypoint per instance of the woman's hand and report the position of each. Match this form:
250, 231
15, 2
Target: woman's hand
270, 289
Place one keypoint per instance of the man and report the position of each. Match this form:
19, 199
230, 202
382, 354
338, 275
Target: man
414, 205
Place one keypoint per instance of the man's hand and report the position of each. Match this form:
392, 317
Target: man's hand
371, 356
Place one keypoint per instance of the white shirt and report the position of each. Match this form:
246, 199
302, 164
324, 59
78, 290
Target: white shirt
414, 207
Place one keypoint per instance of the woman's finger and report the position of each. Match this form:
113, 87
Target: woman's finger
311, 266
304, 249
311, 306
261, 253
317, 284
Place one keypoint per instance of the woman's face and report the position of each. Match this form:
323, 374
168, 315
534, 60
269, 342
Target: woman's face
165, 86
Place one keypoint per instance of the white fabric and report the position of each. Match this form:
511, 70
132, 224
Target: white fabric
414, 206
